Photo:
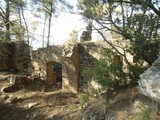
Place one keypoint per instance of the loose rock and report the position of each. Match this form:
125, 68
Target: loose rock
30, 105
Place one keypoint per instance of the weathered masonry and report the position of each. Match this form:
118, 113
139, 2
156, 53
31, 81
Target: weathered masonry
56, 65
14, 56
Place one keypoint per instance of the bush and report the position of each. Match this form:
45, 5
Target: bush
144, 114
108, 74
89, 93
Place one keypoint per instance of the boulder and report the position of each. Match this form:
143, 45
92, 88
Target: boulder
149, 83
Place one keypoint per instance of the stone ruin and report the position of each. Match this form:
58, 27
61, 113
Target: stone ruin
55, 65
63, 66
49, 65
14, 56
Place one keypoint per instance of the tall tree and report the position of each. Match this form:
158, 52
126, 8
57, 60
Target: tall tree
50, 8
18, 8
135, 20
7, 21
8, 11
44, 29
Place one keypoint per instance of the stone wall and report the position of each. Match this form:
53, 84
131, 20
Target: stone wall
89, 53
75, 59
14, 56
41, 57
4, 57
71, 71
21, 57
43, 66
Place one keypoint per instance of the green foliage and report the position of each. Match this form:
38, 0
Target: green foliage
134, 21
144, 114
2, 38
83, 98
107, 73
72, 107
135, 71
73, 37
19, 32
88, 94
92, 8
110, 76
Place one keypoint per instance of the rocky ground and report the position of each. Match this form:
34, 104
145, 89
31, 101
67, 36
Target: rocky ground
32, 102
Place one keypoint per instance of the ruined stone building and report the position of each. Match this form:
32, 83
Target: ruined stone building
55, 64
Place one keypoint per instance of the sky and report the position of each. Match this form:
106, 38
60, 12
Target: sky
61, 27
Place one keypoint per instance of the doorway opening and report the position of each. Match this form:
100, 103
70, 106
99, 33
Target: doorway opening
54, 73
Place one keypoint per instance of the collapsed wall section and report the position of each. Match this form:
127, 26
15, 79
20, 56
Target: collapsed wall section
14, 56
71, 71
89, 53
52, 66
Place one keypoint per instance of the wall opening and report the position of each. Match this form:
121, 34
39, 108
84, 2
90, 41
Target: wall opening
54, 73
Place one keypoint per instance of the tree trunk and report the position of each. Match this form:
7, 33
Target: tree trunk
7, 21
49, 24
44, 28
25, 25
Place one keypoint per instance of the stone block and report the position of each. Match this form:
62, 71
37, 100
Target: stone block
149, 83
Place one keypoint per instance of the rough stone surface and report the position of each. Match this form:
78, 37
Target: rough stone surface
74, 60
44, 63
149, 83
14, 56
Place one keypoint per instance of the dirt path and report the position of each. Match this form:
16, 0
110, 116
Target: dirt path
32, 103
37, 105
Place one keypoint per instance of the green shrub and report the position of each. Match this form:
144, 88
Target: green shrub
110, 76
144, 114
107, 73
83, 98
89, 93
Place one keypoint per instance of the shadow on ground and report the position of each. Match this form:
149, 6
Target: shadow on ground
11, 112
